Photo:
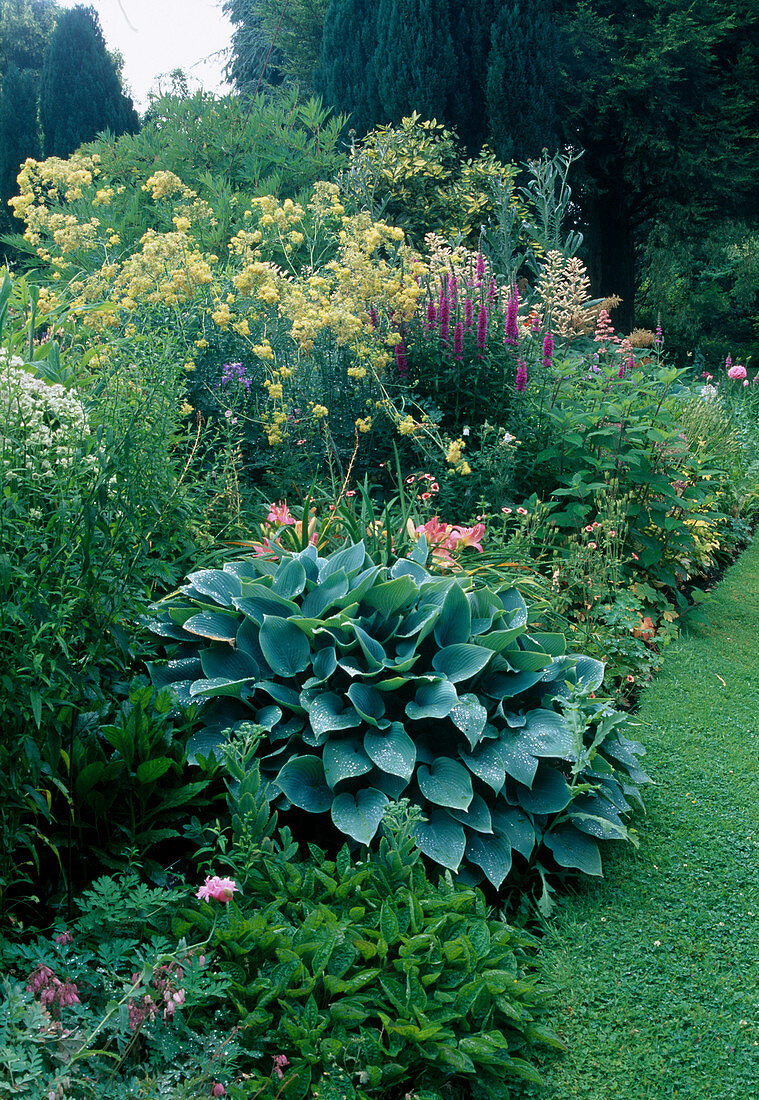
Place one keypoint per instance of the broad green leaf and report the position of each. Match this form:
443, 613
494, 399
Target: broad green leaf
350, 560
516, 826
372, 650
589, 672
492, 854
247, 642
203, 743
392, 750
344, 760
220, 686
476, 816
284, 646
406, 568
485, 606
389, 597
571, 848
418, 623
451, 1056
460, 662
555, 644
549, 792
327, 712
454, 624
445, 783
368, 702
497, 640
599, 825
441, 839
486, 763
519, 764
216, 625
260, 600
302, 781
470, 717
325, 663
150, 770
232, 664
290, 579
435, 700
545, 733
359, 815
328, 591
514, 606
186, 668
526, 660
285, 696
221, 586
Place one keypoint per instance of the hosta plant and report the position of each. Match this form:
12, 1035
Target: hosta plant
375, 682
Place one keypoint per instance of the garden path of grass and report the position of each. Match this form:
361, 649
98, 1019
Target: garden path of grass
658, 963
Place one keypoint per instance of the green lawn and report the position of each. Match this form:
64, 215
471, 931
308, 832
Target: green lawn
658, 964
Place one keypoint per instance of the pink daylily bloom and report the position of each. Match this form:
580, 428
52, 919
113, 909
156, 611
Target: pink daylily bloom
280, 513
469, 536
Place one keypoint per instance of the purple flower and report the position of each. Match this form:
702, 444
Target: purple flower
658, 336
482, 326
458, 341
234, 372
512, 327
373, 317
547, 350
431, 315
468, 314
480, 266
521, 379
444, 314
453, 290
491, 293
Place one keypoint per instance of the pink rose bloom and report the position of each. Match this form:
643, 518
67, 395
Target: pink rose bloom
737, 372
220, 889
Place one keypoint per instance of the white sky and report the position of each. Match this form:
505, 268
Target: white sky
156, 36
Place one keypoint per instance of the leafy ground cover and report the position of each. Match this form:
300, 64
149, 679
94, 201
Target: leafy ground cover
658, 964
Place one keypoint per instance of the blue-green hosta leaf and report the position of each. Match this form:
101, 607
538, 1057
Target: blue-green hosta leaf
203, 743
514, 606
290, 579
247, 642
601, 827
441, 839
446, 783
549, 793
165, 627
516, 826
545, 733
492, 854
186, 668
487, 764
285, 696
327, 712
350, 560
210, 689
498, 640
302, 780
388, 597
519, 764
372, 650
325, 663
589, 673
555, 644
485, 606
260, 600
395, 683
418, 624
327, 592
284, 646
268, 717
435, 700
216, 625
362, 582
391, 785
220, 586
406, 568
230, 663
470, 717
571, 848
249, 569
310, 560
359, 815
476, 817
460, 662
526, 660
507, 685
392, 750
368, 702
454, 624
344, 760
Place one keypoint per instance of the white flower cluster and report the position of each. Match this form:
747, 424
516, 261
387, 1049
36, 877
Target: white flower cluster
43, 427
708, 392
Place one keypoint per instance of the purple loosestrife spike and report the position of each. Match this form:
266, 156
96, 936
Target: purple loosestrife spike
728, 362
491, 294
468, 314
400, 359
458, 341
453, 290
621, 371
547, 350
512, 326
482, 326
521, 379
480, 266
658, 336
444, 315
373, 317
431, 315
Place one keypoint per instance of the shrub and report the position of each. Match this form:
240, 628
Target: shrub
376, 682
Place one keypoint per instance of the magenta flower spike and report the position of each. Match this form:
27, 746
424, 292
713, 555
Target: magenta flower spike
468, 314
482, 326
512, 324
431, 315
458, 341
547, 350
444, 315
401, 361
521, 379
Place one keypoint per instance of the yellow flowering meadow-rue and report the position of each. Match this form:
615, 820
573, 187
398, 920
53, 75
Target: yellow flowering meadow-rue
357, 372
364, 425
319, 412
407, 426
186, 408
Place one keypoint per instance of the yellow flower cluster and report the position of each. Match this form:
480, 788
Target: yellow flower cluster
162, 184
167, 270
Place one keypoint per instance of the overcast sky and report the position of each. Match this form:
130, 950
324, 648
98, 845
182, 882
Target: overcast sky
156, 36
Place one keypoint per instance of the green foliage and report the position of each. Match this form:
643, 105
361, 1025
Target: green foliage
25, 30
376, 682
80, 88
293, 34
414, 175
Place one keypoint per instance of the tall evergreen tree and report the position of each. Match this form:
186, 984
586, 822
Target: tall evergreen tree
415, 61
19, 133
25, 30
80, 89
520, 89
347, 77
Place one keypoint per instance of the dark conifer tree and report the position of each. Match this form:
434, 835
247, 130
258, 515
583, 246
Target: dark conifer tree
347, 77
80, 89
19, 133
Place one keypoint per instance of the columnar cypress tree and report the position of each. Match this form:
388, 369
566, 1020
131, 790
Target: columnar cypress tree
80, 90
19, 132
415, 61
521, 80
347, 78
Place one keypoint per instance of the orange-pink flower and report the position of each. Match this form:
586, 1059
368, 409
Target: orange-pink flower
280, 513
